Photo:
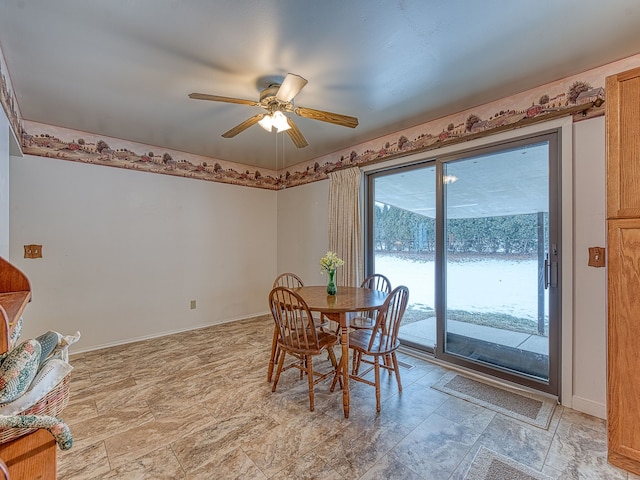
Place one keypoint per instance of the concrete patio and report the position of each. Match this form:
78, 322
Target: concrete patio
423, 332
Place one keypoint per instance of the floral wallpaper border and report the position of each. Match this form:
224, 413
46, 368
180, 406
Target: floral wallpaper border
564, 97
8, 100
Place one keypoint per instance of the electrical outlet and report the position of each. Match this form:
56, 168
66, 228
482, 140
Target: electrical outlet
33, 251
193, 304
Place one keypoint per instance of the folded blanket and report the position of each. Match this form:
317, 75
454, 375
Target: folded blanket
57, 427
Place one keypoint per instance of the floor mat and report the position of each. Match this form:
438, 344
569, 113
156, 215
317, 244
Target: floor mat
529, 408
489, 465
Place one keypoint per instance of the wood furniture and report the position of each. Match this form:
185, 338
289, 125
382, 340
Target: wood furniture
298, 336
380, 341
4, 469
367, 320
32, 456
336, 307
289, 280
623, 240
15, 293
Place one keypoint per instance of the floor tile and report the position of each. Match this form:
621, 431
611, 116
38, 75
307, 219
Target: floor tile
190, 406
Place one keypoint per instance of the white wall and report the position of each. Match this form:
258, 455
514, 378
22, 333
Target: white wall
125, 252
303, 230
4, 185
590, 283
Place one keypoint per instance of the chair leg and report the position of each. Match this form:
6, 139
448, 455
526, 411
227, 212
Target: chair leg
335, 380
308, 360
336, 377
358, 362
336, 332
334, 362
396, 367
279, 370
354, 362
376, 366
274, 355
387, 361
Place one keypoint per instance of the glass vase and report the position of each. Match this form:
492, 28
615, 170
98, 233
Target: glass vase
331, 284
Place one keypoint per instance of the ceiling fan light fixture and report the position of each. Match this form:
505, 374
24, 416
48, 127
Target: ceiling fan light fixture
279, 120
266, 123
447, 179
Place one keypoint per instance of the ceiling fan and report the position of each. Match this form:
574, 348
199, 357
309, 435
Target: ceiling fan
277, 98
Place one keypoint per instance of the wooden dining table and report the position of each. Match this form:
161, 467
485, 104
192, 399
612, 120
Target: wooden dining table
335, 308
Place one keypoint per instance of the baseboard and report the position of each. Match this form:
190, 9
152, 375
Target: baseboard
165, 333
589, 407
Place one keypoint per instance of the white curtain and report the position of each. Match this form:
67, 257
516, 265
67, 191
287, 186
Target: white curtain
344, 225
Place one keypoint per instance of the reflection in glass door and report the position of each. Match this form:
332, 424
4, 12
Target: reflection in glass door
403, 245
497, 265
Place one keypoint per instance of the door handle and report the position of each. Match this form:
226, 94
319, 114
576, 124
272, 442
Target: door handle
546, 271
550, 273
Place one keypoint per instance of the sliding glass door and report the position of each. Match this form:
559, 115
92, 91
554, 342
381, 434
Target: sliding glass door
404, 244
475, 238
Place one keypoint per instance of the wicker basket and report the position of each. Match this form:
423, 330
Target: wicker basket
51, 404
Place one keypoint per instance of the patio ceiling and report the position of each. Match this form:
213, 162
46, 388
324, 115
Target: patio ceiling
512, 182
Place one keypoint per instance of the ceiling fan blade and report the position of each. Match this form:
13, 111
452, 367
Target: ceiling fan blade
217, 98
243, 126
291, 86
296, 135
343, 120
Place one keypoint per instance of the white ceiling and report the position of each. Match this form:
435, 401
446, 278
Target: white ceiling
124, 68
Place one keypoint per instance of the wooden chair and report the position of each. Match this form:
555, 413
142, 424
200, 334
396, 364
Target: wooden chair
298, 336
289, 280
381, 341
367, 320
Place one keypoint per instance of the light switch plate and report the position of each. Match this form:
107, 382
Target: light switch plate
596, 256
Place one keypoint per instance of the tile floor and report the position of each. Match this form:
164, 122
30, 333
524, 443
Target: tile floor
197, 405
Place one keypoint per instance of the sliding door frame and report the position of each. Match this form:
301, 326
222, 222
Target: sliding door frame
564, 129
555, 235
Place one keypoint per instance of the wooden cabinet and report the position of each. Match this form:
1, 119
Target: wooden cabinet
15, 293
32, 456
623, 244
623, 144
623, 374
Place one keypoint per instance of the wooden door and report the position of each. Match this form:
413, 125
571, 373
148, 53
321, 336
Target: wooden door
623, 144
623, 238
623, 374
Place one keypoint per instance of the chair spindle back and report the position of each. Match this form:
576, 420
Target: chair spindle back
293, 320
289, 280
377, 281
388, 320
